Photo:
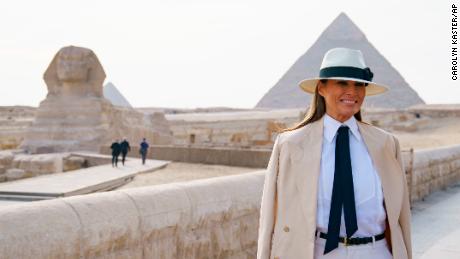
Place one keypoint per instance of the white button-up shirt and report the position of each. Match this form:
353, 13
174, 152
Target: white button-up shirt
370, 212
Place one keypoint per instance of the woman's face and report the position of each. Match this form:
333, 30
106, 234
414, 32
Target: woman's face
343, 98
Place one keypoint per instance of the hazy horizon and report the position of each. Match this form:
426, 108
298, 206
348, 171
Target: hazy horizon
214, 53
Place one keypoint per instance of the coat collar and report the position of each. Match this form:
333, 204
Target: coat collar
307, 167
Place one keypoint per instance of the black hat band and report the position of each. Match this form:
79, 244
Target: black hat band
352, 72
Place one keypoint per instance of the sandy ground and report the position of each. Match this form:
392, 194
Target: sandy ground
182, 172
436, 133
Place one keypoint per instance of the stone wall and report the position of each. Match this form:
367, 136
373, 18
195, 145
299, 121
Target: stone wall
394, 119
211, 218
245, 129
134, 125
14, 121
437, 110
257, 128
257, 158
434, 169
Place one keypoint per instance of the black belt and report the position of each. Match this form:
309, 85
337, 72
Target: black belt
354, 240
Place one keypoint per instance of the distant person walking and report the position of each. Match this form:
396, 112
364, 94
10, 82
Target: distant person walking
125, 148
143, 150
116, 149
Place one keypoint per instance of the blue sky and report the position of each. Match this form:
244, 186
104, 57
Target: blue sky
190, 54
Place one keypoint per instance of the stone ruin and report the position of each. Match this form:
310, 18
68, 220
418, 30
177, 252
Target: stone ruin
76, 116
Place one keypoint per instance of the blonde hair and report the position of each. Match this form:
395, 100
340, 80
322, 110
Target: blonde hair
317, 110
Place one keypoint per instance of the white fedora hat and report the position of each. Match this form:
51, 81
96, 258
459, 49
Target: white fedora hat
344, 64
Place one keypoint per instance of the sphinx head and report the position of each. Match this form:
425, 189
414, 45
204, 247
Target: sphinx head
72, 64
75, 71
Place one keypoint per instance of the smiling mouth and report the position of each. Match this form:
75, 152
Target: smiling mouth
348, 101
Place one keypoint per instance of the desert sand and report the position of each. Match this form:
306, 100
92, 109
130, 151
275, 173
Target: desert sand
182, 172
436, 133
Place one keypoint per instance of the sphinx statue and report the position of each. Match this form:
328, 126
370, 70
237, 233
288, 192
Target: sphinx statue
73, 72
74, 115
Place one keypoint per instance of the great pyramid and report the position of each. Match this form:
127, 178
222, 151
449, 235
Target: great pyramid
342, 32
112, 94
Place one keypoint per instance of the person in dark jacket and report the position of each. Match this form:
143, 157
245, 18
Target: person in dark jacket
143, 150
116, 149
125, 148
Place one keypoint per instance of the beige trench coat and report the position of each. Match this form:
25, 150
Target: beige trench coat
287, 221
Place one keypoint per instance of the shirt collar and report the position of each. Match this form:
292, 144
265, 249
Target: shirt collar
331, 126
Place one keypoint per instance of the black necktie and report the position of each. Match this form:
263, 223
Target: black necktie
342, 193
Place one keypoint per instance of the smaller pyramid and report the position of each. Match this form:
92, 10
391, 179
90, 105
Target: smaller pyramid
112, 94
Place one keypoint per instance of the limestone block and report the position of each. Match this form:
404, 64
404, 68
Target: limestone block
110, 225
14, 121
44, 229
164, 213
16, 174
9, 142
39, 164
213, 204
73, 163
6, 158
456, 163
435, 169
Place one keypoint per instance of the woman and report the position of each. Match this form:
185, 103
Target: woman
335, 186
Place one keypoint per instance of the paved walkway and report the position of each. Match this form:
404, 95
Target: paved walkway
83, 181
436, 225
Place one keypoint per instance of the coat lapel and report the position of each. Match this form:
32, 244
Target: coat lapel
375, 146
307, 169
